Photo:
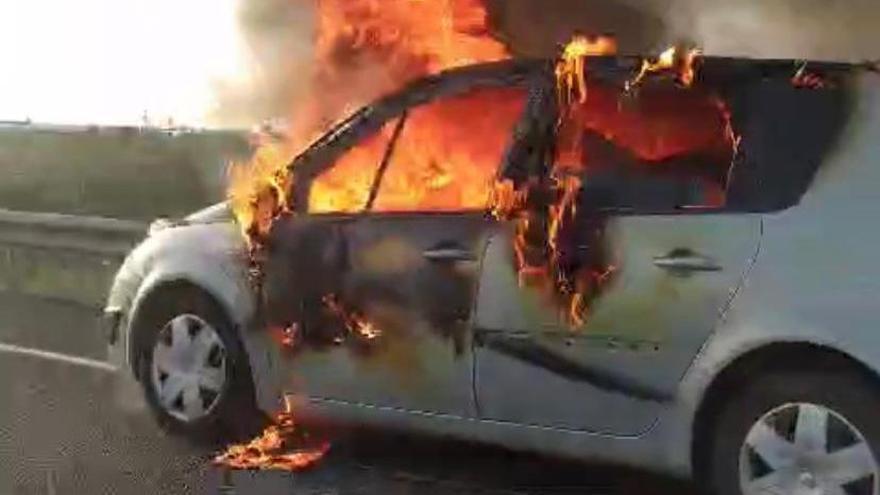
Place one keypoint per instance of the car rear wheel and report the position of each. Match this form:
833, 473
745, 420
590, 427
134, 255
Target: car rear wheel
193, 368
792, 432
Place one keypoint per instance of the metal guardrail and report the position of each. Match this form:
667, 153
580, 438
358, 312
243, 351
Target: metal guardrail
54, 231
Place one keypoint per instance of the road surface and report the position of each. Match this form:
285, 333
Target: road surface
70, 426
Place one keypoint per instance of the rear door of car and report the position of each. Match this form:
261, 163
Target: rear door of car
412, 257
675, 275
667, 252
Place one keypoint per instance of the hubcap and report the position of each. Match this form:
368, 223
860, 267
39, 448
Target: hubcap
189, 367
806, 449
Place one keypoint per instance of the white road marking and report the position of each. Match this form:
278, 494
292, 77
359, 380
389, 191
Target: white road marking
56, 356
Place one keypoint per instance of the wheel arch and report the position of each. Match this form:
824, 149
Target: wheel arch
775, 356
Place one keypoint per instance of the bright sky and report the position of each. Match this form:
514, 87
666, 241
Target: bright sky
107, 61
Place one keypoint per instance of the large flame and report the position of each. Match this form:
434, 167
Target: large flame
364, 48
345, 186
652, 125
439, 164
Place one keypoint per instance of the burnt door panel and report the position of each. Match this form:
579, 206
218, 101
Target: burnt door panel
674, 277
305, 261
412, 278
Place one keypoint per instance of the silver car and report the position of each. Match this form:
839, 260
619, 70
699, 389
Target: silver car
736, 341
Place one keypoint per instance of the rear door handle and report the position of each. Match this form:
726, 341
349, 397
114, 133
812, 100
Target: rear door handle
448, 254
686, 261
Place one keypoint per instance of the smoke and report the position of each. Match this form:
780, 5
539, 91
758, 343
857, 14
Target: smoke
538, 28
281, 38
809, 29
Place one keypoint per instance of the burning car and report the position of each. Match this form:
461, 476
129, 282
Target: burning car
639, 266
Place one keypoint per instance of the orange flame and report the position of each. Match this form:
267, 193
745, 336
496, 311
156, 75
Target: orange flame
570, 70
659, 124
803, 78
355, 322
675, 58
274, 449
258, 191
285, 336
345, 187
439, 164
364, 48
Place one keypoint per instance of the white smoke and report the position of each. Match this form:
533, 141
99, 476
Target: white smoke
280, 33
279, 36
811, 29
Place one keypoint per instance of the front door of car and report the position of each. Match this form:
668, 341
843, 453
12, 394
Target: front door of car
412, 259
666, 257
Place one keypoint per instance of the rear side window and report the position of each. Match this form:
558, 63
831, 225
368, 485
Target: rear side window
753, 148
787, 135
668, 149
449, 151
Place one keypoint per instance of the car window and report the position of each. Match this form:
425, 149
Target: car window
345, 186
667, 151
449, 152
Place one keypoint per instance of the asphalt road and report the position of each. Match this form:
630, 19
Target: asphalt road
73, 427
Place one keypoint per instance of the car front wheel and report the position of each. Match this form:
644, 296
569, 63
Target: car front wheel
193, 368
807, 432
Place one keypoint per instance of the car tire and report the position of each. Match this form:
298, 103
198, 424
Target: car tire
197, 367
772, 430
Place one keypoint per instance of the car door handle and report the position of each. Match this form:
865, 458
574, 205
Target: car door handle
448, 254
686, 261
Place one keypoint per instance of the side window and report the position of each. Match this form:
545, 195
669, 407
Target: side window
661, 153
449, 152
670, 151
345, 186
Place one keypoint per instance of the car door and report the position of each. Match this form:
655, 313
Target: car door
411, 258
616, 371
669, 259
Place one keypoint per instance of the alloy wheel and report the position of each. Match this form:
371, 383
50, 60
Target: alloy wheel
806, 449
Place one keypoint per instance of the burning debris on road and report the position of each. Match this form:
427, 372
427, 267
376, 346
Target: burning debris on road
282, 445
